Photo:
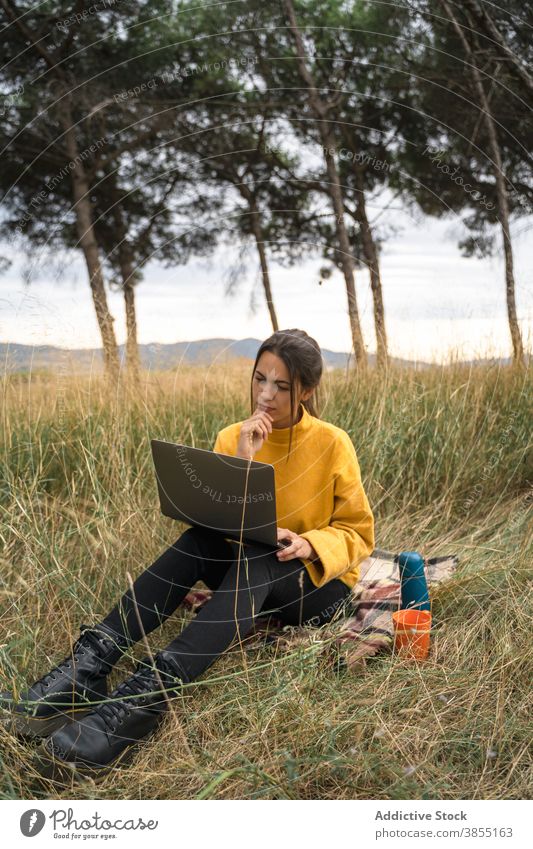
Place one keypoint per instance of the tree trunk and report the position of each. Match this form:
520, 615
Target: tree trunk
260, 242
501, 189
328, 142
133, 363
372, 260
89, 246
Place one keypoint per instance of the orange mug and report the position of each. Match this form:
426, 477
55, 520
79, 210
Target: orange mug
412, 632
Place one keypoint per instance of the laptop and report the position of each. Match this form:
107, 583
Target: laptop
203, 488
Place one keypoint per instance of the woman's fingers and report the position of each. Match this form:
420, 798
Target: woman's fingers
257, 426
288, 553
254, 432
263, 424
266, 417
291, 550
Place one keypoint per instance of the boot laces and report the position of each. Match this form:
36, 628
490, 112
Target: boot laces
88, 639
143, 683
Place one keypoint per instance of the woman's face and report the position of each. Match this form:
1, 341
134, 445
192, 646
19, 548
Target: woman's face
271, 389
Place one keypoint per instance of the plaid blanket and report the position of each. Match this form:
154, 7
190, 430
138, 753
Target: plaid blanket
361, 628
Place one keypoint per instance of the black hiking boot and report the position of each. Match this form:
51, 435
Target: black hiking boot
130, 714
70, 687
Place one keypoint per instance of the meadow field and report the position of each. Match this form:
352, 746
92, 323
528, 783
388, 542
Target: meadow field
446, 459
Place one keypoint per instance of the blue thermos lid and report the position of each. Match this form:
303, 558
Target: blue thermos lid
414, 588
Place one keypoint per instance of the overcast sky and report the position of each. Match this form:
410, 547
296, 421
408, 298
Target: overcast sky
435, 300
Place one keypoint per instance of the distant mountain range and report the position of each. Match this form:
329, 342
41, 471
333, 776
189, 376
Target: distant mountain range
155, 356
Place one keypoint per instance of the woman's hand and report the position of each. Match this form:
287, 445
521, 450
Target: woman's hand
299, 546
253, 433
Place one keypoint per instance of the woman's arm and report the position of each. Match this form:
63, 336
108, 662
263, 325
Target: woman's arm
349, 537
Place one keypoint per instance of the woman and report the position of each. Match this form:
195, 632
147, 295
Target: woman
319, 496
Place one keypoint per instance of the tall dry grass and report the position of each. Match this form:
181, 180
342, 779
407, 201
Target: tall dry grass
446, 460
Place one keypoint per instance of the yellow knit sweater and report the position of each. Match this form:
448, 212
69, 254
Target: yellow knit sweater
319, 494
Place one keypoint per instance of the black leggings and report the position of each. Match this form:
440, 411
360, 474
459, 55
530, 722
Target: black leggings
266, 585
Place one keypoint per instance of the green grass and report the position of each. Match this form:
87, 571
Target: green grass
447, 465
